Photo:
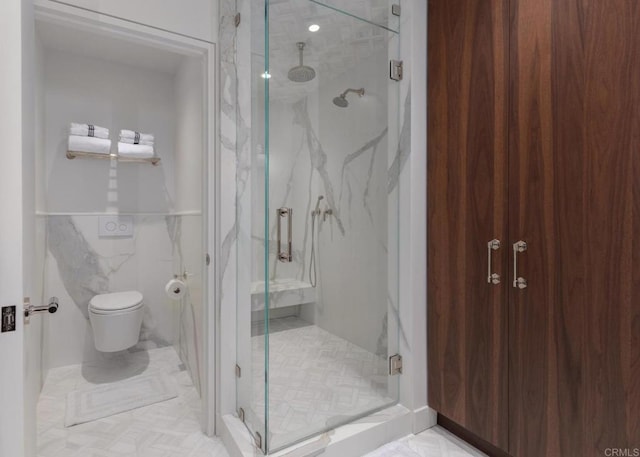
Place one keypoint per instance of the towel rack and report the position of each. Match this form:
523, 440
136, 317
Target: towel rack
92, 155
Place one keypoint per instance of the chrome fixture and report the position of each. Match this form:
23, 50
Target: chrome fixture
302, 73
29, 309
395, 365
313, 271
396, 70
518, 281
341, 100
285, 256
492, 278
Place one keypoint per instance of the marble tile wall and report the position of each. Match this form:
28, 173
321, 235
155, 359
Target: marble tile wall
79, 264
348, 157
354, 157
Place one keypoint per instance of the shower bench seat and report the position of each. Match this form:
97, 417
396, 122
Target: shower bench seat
282, 293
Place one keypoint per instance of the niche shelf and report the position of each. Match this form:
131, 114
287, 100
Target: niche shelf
92, 155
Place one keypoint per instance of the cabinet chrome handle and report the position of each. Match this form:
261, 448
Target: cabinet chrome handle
492, 278
518, 281
285, 256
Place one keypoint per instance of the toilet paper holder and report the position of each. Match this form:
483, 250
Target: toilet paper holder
183, 277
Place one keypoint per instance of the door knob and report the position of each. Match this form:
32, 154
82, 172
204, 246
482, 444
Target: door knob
29, 309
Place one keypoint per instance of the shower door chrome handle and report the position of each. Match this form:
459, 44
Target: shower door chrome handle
518, 281
492, 278
285, 256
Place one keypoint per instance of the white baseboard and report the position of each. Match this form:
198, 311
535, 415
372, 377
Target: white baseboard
423, 419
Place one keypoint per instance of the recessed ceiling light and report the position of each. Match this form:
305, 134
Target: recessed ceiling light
314, 28
266, 75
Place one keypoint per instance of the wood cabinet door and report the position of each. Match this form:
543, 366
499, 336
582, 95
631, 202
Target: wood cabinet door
574, 171
467, 208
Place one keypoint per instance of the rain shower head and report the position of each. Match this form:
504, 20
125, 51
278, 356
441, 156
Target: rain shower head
302, 73
341, 100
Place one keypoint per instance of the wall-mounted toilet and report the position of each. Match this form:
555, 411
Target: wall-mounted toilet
116, 319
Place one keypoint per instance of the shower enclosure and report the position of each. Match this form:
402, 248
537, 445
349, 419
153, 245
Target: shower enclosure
317, 282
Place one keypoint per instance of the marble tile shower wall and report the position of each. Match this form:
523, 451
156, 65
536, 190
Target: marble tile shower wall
79, 264
347, 156
237, 262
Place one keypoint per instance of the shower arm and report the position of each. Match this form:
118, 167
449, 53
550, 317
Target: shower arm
360, 92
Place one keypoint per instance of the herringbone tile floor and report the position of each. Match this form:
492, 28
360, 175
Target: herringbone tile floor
168, 429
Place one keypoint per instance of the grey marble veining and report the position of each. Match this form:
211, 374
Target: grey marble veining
189, 345
88, 265
371, 145
318, 156
79, 265
228, 107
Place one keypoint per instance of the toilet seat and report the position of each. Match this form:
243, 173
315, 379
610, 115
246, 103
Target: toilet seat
116, 302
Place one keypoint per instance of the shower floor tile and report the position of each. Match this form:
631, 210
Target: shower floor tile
317, 380
170, 428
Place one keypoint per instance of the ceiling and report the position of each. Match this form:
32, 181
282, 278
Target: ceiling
104, 46
342, 42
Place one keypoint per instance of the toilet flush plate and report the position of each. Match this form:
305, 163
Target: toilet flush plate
115, 226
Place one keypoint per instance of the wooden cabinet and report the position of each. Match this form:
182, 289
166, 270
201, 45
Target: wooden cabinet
467, 207
534, 135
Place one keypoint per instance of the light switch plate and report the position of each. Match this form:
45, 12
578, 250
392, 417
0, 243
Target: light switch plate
8, 319
115, 226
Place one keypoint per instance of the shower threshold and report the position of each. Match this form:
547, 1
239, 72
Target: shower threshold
354, 439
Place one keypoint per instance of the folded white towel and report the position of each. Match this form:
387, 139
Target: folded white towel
137, 136
136, 151
89, 144
133, 141
88, 130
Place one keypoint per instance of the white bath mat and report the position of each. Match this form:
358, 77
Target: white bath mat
395, 449
105, 400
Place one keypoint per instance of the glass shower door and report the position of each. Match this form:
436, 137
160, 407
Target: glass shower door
331, 137
317, 293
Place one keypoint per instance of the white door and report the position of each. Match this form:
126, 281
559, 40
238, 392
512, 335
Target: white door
18, 391
11, 269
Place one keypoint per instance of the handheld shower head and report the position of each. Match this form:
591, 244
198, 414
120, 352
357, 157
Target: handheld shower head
317, 210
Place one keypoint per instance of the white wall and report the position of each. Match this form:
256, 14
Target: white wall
193, 18
413, 210
116, 96
189, 140
11, 266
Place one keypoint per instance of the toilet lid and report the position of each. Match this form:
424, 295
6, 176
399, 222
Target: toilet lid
116, 301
